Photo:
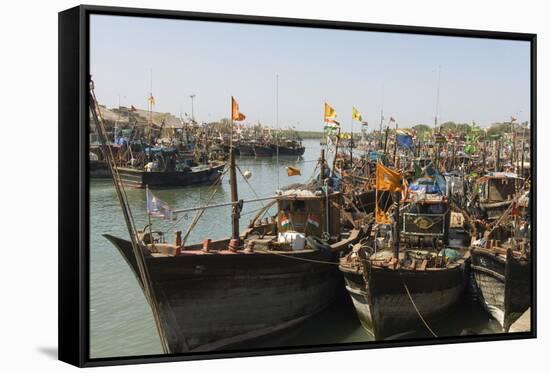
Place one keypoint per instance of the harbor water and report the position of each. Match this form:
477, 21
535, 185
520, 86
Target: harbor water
121, 323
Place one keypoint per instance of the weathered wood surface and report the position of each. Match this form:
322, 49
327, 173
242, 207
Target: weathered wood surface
504, 284
210, 301
383, 305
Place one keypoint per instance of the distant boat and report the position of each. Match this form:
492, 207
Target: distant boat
165, 170
246, 149
261, 150
199, 175
289, 148
98, 167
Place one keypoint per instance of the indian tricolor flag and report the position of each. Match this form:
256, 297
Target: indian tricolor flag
313, 220
285, 221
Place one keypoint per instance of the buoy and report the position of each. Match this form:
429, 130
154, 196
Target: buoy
247, 174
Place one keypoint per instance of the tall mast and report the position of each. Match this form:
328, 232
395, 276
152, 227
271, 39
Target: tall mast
437, 98
150, 112
277, 123
381, 121
395, 147
235, 212
151, 102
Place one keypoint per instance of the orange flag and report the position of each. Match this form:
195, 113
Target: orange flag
235, 114
381, 217
388, 179
293, 171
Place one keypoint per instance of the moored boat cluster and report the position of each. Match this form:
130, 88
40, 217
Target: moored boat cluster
410, 224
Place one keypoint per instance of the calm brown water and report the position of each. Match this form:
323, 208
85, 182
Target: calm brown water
120, 319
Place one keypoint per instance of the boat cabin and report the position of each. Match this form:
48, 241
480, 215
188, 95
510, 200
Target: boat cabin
428, 213
305, 211
497, 187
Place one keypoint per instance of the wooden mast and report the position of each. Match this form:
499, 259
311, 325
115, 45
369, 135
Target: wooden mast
396, 230
137, 246
235, 209
235, 213
395, 147
497, 156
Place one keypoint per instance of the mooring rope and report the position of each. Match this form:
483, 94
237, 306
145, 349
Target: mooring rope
295, 258
414, 305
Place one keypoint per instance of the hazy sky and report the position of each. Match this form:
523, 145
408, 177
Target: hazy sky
482, 80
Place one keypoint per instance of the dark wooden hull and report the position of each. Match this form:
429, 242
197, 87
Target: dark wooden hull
246, 150
139, 179
99, 170
211, 301
383, 305
226, 149
494, 211
287, 151
504, 285
263, 151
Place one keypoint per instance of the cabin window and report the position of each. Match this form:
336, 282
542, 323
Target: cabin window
298, 206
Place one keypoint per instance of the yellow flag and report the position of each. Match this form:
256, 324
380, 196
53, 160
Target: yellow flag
293, 171
151, 100
330, 113
355, 114
388, 179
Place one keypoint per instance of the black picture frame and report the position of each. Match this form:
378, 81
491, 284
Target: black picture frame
74, 184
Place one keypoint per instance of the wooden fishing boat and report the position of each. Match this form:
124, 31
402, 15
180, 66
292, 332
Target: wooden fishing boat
263, 150
402, 287
503, 277
503, 271
98, 167
213, 295
205, 291
289, 148
246, 149
226, 147
493, 194
188, 176
392, 296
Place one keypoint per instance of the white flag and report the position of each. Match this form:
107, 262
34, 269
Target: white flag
157, 207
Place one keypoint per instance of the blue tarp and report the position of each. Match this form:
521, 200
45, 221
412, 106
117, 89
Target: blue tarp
404, 141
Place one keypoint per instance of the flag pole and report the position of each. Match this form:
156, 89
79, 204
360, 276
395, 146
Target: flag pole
350, 143
235, 210
277, 123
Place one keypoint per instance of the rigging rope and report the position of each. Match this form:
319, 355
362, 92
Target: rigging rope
295, 258
130, 222
217, 183
199, 213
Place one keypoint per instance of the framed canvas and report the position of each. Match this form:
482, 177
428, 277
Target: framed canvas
237, 186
